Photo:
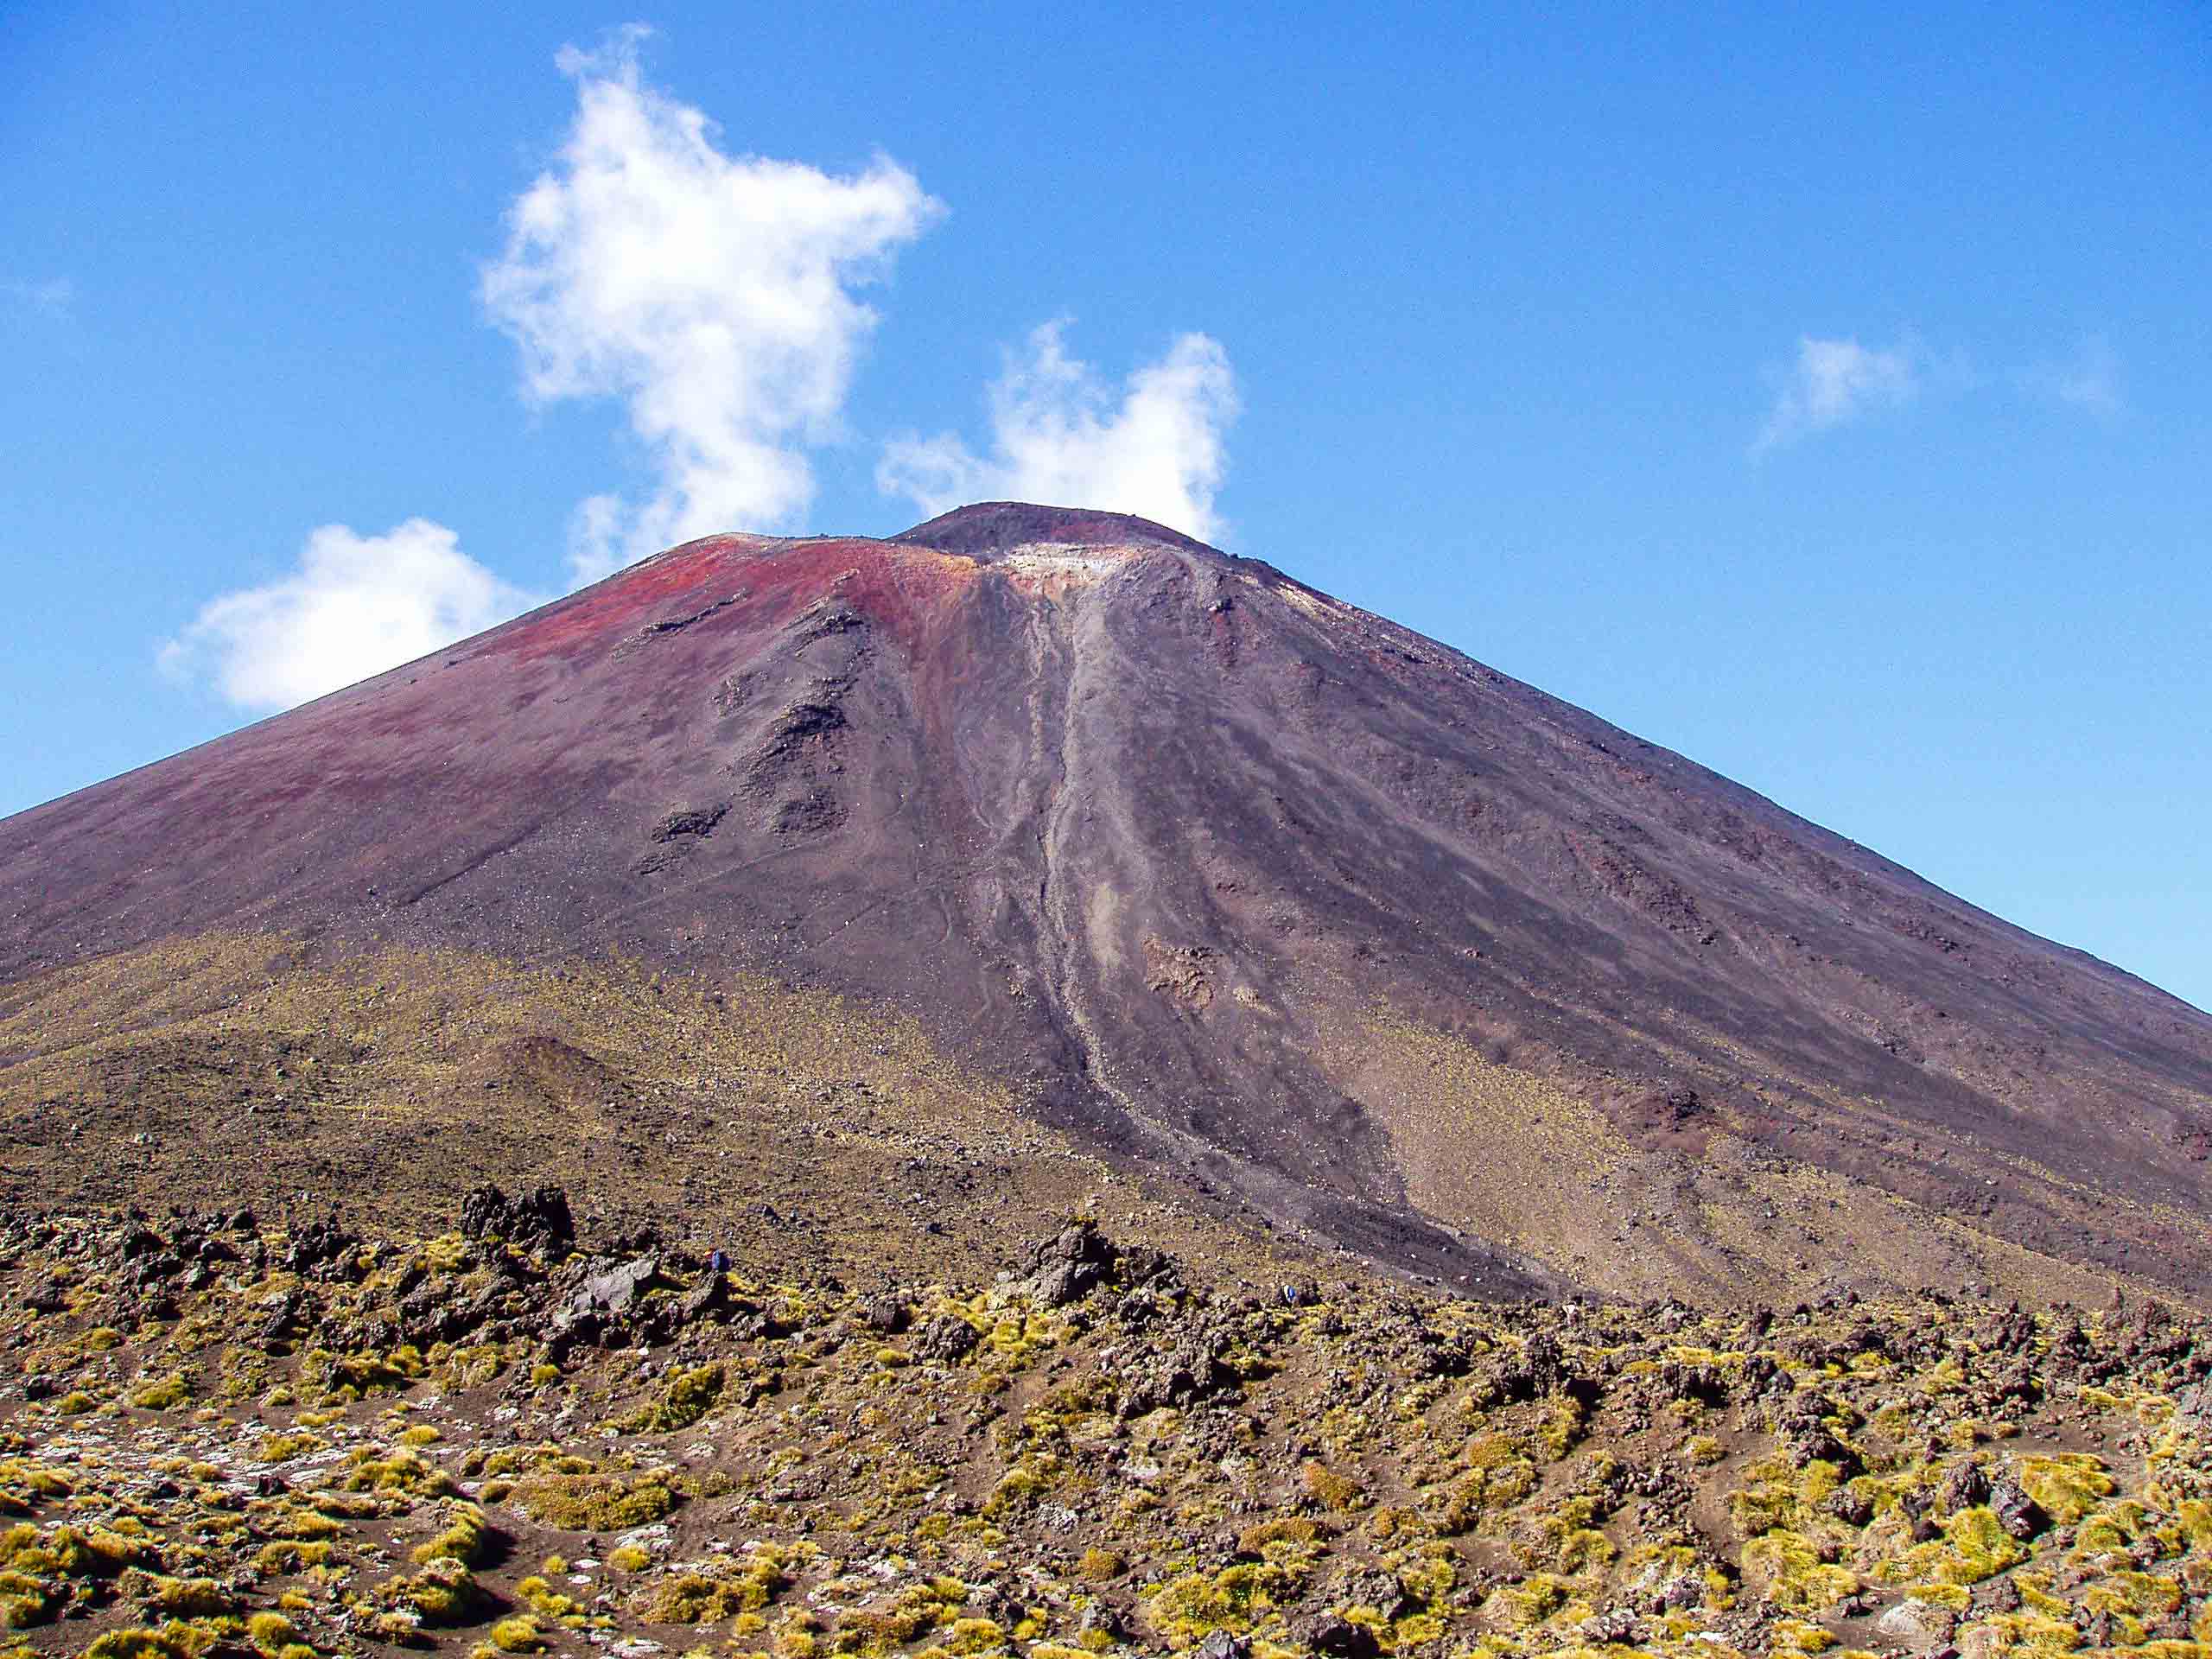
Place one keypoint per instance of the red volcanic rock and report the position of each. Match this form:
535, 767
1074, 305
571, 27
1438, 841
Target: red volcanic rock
1179, 841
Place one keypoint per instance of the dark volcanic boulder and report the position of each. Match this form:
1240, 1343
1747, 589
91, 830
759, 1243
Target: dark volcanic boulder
537, 1221
1066, 1266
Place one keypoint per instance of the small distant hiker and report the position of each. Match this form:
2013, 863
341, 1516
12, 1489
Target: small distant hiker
718, 1263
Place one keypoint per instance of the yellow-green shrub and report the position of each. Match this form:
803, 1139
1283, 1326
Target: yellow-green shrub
595, 1502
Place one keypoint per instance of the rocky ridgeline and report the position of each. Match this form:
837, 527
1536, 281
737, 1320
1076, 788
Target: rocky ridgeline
223, 1437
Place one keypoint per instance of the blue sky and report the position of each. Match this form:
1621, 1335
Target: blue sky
1824, 394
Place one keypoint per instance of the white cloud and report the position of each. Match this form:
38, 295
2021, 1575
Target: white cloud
1057, 438
715, 297
710, 292
2089, 380
356, 606
1835, 381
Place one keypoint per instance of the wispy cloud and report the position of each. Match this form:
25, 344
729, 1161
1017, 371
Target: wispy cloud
711, 293
2089, 380
1833, 382
55, 297
355, 606
1060, 436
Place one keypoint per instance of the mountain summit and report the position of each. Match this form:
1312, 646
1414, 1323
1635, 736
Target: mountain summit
1224, 879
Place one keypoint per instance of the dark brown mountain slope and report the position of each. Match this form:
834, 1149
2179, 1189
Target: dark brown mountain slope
1227, 877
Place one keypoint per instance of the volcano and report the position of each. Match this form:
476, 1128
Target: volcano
1328, 927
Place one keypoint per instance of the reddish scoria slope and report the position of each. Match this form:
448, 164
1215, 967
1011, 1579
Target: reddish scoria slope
1237, 879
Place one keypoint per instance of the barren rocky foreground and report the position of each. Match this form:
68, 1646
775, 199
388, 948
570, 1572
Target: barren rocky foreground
227, 1438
